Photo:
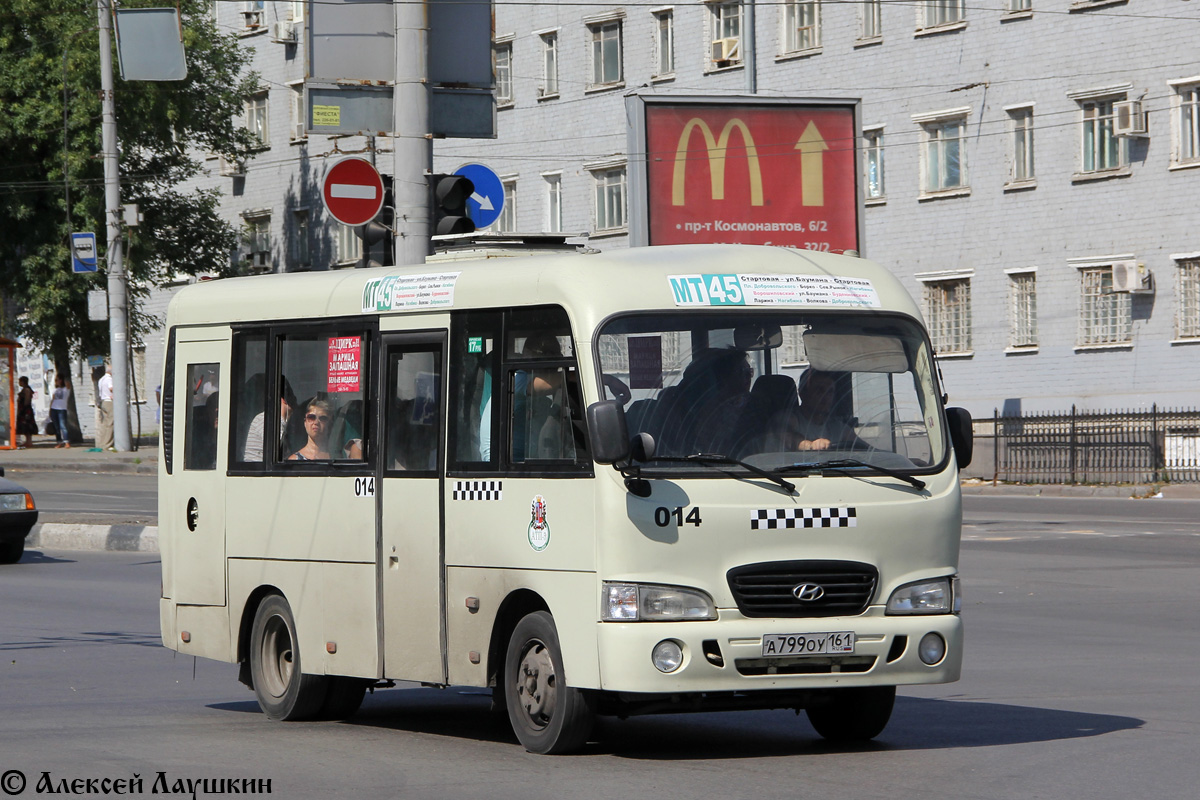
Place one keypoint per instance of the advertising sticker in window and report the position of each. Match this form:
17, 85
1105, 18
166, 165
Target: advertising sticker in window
345, 373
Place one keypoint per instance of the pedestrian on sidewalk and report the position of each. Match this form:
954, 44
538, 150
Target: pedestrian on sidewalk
58, 411
26, 420
104, 437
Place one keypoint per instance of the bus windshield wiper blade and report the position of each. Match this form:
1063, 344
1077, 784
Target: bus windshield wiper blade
717, 458
838, 463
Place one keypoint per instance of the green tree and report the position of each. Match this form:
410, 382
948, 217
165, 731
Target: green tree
50, 148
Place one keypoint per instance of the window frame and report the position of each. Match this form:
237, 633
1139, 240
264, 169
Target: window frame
873, 155
507, 221
870, 22
301, 244
554, 202
549, 89
601, 31
1185, 113
1022, 310
792, 14
950, 324
502, 69
259, 238
1114, 314
664, 52
941, 15
935, 151
603, 186
723, 18
1093, 99
1022, 172
257, 112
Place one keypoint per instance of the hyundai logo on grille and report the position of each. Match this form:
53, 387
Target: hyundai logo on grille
808, 592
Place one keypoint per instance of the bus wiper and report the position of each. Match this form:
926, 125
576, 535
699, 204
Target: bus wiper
837, 463
717, 458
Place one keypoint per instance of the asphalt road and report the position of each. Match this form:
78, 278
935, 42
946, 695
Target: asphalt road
1080, 681
106, 498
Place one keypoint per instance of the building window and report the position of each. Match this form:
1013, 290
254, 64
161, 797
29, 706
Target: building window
1186, 113
347, 247
948, 312
1022, 144
873, 161
1022, 302
256, 118
1105, 316
257, 240
301, 255
1101, 149
610, 199
503, 63
943, 154
942, 12
726, 25
1018, 6
299, 123
252, 14
549, 87
664, 44
801, 25
1187, 323
872, 19
553, 203
606, 54
507, 221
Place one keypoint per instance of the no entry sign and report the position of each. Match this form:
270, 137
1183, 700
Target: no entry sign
353, 191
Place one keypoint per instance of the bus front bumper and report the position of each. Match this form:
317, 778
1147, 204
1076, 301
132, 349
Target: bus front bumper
726, 655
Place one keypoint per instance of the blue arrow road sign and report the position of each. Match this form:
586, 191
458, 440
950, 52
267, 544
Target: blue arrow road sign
486, 203
83, 252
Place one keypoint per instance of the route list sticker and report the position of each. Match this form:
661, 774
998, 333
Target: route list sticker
407, 292
773, 290
344, 364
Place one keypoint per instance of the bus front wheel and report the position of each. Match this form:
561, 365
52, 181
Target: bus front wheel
284, 692
853, 715
547, 715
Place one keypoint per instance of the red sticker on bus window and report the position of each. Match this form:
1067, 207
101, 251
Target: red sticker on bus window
344, 367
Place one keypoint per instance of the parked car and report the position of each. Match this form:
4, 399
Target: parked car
17, 517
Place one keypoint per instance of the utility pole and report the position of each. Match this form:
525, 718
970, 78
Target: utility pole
117, 327
413, 150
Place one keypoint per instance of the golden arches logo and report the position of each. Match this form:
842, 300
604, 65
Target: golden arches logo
716, 160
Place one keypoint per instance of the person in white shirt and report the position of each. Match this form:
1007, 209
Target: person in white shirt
58, 411
104, 437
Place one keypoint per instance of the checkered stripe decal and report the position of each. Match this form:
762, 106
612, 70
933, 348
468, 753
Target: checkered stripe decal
478, 490
772, 518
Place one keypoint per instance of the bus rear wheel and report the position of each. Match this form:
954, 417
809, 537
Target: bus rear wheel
547, 715
284, 692
853, 715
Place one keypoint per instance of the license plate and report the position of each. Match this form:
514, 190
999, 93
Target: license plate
807, 644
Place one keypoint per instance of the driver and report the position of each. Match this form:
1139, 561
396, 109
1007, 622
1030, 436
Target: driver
820, 425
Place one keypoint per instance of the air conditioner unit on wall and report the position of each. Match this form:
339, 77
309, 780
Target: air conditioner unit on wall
283, 31
1131, 277
1129, 118
230, 169
725, 49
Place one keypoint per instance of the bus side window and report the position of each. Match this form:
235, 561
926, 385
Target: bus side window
474, 384
411, 438
200, 442
250, 401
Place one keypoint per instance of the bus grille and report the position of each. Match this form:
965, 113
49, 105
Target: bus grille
770, 589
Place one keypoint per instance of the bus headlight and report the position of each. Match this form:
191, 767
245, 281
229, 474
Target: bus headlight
939, 596
644, 602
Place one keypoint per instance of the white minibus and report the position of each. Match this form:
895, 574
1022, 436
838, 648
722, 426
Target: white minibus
651, 480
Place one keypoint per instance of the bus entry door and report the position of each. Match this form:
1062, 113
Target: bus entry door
412, 553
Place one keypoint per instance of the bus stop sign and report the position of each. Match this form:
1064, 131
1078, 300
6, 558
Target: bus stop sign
353, 191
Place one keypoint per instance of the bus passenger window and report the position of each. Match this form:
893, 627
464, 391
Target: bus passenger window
200, 443
322, 413
250, 401
475, 377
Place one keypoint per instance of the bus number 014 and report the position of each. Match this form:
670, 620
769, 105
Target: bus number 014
662, 516
364, 487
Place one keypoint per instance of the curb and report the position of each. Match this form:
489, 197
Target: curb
74, 536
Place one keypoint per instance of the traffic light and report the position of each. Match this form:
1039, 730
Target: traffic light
448, 199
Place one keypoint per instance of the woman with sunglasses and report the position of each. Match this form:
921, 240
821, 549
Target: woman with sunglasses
317, 421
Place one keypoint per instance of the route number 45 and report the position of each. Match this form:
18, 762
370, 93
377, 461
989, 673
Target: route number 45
724, 289
662, 516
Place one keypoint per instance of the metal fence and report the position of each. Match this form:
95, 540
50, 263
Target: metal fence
1154, 446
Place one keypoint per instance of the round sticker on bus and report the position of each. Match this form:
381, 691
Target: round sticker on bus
539, 527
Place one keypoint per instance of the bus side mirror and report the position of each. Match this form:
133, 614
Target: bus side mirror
962, 435
609, 432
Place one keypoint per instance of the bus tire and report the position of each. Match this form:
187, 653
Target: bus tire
284, 692
344, 698
547, 715
853, 715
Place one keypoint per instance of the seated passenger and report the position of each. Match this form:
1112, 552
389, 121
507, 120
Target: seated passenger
698, 414
821, 426
317, 418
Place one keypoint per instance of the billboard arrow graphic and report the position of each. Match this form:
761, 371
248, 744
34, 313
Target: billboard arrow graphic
812, 149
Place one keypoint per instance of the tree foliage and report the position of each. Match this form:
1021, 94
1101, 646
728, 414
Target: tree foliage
49, 59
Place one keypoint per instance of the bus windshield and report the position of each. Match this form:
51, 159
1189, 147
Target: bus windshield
776, 389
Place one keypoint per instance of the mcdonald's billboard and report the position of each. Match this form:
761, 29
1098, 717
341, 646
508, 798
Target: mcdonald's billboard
752, 171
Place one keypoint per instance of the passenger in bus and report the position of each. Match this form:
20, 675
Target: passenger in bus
698, 414
317, 418
536, 405
822, 423
253, 449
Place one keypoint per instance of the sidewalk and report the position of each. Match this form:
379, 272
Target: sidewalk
1174, 491
77, 458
